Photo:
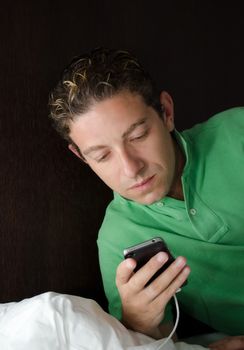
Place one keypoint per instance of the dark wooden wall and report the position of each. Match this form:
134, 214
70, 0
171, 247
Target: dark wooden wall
51, 206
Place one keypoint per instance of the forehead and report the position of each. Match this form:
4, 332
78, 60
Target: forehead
113, 114
121, 103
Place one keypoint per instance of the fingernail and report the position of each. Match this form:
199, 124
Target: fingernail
180, 261
161, 257
130, 264
187, 270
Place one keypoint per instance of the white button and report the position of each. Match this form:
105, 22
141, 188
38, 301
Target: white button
193, 211
160, 204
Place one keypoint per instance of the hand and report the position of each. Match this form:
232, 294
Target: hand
228, 343
143, 307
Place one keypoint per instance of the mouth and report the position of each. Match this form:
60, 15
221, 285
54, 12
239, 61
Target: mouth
143, 184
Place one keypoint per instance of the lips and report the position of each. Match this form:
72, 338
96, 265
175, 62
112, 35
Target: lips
143, 183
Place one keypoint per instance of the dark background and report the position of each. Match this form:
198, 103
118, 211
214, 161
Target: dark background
51, 205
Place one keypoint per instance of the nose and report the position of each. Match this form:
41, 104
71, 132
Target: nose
131, 163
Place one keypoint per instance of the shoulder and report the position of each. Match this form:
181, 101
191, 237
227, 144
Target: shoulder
115, 220
115, 213
231, 117
124, 223
226, 123
119, 214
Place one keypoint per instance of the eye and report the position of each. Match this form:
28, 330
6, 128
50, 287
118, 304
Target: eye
139, 136
102, 158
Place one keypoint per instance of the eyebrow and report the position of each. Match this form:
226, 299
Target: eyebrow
131, 128
92, 149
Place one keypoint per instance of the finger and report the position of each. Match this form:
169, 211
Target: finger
177, 273
217, 343
229, 343
125, 271
221, 341
168, 277
145, 273
174, 287
166, 294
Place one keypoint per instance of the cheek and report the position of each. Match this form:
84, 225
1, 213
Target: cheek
161, 153
106, 173
164, 156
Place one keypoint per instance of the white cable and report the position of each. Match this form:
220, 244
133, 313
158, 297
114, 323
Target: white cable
175, 325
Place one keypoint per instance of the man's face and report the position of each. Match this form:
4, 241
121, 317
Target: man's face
128, 146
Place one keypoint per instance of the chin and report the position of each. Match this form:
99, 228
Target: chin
150, 199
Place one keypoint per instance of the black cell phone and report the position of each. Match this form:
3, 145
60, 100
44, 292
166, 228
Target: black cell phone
144, 251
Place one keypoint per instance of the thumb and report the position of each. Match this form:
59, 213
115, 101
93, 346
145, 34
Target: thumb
125, 271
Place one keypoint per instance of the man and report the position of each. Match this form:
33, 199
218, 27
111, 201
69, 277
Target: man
187, 188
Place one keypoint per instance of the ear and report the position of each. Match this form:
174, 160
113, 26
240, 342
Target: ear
73, 149
168, 110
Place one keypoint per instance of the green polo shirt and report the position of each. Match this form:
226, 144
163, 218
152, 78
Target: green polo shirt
207, 227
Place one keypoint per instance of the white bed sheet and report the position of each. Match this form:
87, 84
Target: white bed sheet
52, 321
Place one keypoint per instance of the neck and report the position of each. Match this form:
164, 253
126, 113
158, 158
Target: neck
176, 190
